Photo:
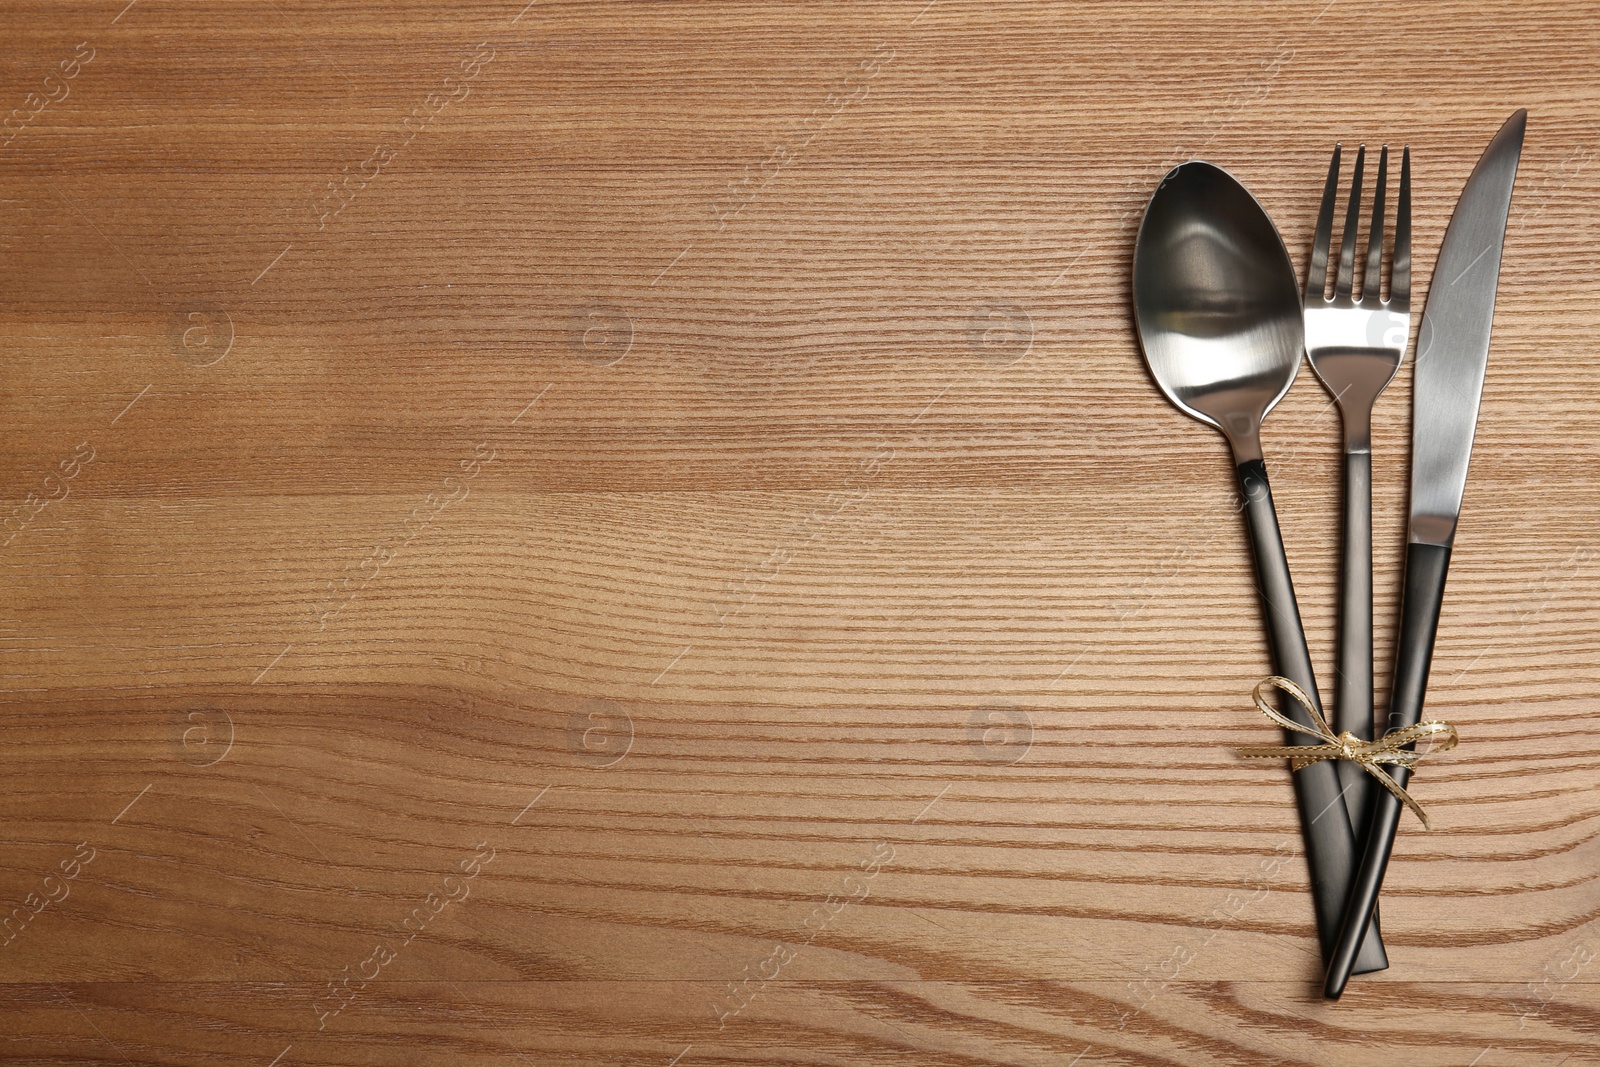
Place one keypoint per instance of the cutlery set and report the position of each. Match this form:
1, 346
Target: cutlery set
1223, 325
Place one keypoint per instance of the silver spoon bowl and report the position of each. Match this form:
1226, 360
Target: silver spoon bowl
1216, 302
1219, 316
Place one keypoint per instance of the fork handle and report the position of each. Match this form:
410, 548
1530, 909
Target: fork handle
1330, 839
1352, 706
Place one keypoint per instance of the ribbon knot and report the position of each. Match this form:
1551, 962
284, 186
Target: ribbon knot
1390, 748
1348, 744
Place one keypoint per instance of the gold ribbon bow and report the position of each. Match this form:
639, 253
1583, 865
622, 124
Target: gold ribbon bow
1390, 748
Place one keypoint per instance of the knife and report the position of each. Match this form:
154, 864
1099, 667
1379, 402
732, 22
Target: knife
1447, 384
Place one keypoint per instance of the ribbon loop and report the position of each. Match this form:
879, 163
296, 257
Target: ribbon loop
1390, 748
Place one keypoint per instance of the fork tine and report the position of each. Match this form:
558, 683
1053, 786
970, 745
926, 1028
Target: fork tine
1352, 223
1373, 276
1400, 280
1317, 273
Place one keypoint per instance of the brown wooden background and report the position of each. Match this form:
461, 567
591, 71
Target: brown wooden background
708, 469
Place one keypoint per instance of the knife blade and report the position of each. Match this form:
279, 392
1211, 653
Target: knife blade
1447, 386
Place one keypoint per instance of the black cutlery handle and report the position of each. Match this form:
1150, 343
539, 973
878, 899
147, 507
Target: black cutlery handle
1352, 704
1426, 566
1330, 840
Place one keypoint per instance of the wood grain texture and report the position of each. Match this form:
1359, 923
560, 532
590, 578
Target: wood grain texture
639, 533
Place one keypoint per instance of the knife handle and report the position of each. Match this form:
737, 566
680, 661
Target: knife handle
1426, 566
1330, 840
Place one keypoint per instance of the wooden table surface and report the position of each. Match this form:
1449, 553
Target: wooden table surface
640, 534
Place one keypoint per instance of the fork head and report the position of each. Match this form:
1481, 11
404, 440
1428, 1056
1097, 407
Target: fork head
1356, 338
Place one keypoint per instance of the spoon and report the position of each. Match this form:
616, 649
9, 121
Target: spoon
1219, 316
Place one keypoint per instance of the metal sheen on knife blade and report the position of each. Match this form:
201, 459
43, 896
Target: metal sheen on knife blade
1452, 358
1453, 345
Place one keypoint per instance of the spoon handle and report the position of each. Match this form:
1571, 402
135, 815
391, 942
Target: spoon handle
1330, 840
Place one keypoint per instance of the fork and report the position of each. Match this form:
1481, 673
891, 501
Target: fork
1356, 342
